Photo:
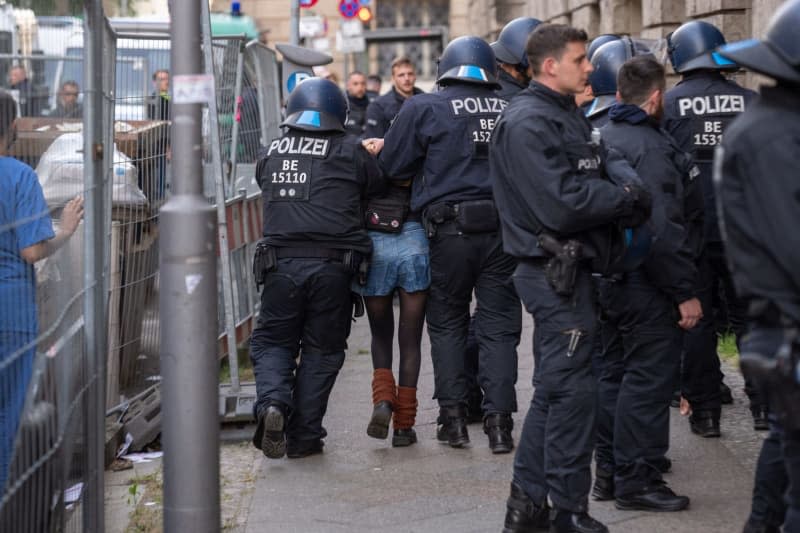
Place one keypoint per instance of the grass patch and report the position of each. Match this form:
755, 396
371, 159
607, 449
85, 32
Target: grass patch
245, 367
726, 347
143, 490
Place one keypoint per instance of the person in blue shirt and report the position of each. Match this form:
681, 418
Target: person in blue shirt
26, 236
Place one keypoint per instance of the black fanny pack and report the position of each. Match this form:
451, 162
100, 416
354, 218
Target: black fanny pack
388, 213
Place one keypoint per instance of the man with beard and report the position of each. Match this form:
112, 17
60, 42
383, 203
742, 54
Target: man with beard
358, 102
645, 308
382, 111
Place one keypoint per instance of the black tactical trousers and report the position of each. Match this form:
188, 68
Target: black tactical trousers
555, 448
640, 362
701, 375
305, 309
459, 265
776, 490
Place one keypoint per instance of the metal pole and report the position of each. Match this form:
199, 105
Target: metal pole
222, 217
94, 259
238, 116
294, 23
188, 307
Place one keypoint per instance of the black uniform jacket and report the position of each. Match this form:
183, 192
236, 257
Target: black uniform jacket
546, 173
443, 139
381, 113
509, 87
758, 191
357, 115
665, 170
312, 186
696, 113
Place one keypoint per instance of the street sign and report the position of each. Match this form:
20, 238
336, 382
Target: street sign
350, 44
307, 3
351, 28
348, 8
312, 26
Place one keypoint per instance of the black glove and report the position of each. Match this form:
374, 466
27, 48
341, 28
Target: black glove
642, 206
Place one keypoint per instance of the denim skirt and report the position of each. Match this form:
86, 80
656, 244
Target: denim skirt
398, 260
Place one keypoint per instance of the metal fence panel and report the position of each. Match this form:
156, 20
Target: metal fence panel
49, 376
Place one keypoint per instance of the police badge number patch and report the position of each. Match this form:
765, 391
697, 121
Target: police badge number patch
289, 179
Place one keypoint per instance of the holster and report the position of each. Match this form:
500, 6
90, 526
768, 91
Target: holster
358, 305
264, 262
562, 268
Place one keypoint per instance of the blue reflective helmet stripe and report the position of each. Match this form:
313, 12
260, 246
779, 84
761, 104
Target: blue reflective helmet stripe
472, 72
721, 61
309, 118
739, 45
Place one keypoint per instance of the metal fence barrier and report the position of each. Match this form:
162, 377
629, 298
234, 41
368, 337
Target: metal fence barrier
52, 316
50, 378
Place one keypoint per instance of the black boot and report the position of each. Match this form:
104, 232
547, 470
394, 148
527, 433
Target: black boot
705, 423
524, 516
663, 464
760, 420
404, 437
270, 435
657, 497
567, 522
452, 426
725, 394
603, 489
378, 427
498, 427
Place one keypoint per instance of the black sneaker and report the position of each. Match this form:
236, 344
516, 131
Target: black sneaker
270, 435
304, 448
658, 497
567, 522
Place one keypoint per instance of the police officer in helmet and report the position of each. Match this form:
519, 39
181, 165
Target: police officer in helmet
756, 172
697, 111
312, 179
645, 308
606, 60
443, 138
558, 213
509, 48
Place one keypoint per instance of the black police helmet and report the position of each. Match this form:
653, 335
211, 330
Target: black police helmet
468, 60
692, 46
510, 44
599, 41
778, 54
607, 61
316, 104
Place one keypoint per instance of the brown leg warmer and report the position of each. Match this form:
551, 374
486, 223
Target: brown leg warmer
405, 410
383, 386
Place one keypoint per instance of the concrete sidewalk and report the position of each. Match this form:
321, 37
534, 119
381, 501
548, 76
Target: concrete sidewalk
362, 484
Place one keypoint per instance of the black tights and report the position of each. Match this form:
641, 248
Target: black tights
409, 333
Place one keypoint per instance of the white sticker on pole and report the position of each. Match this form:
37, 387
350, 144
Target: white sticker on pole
192, 88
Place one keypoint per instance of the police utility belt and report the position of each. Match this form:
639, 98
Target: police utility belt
266, 259
472, 216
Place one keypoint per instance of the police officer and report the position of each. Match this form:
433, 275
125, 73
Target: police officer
551, 196
606, 61
609, 368
382, 110
697, 110
756, 186
641, 305
443, 138
513, 76
312, 180
509, 48
358, 101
